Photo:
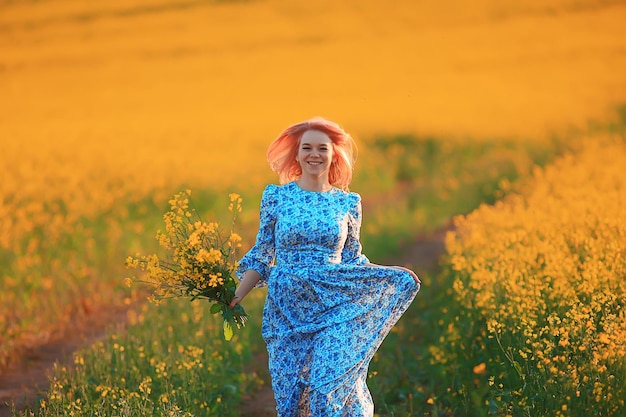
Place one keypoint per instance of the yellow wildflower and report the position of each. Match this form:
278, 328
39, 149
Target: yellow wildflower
480, 368
209, 256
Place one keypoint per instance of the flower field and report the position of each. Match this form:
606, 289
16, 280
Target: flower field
70, 214
168, 349
539, 281
173, 362
110, 108
155, 368
162, 364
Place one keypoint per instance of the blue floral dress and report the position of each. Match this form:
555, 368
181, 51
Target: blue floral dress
326, 311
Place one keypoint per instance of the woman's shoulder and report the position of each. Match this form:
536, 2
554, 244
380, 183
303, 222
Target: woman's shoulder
269, 195
271, 188
275, 191
352, 197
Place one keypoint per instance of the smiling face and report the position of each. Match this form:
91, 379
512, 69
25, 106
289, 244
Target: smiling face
315, 153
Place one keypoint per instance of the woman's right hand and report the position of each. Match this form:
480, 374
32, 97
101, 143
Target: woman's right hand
249, 280
235, 301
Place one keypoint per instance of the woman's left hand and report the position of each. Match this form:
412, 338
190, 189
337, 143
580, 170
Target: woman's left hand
413, 274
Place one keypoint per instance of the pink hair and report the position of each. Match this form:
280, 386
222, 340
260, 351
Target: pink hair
282, 153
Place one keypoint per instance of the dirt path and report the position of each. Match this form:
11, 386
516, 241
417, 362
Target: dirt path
422, 256
22, 383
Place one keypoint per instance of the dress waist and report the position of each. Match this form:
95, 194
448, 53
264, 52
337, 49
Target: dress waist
307, 257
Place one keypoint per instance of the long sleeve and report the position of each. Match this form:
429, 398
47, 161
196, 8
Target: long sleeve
351, 252
261, 256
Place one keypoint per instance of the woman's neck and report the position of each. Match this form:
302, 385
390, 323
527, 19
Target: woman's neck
314, 184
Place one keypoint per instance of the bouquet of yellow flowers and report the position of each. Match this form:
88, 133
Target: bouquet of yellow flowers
200, 261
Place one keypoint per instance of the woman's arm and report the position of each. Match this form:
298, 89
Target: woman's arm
351, 252
401, 268
250, 279
255, 267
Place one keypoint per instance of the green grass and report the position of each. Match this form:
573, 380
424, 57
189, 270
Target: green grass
172, 361
414, 185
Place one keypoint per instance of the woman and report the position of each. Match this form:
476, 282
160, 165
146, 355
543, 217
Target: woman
328, 308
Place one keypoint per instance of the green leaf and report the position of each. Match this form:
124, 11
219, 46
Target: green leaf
216, 308
239, 310
519, 369
228, 330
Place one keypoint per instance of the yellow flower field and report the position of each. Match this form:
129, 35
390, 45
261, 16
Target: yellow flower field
229, 75
174, 363
543, 271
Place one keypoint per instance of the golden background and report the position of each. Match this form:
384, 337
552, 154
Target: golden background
217, 81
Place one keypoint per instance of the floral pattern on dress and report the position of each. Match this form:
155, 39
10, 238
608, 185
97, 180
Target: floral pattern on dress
327, 309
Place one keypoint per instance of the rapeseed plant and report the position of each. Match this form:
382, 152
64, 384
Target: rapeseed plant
540, 282
200, 262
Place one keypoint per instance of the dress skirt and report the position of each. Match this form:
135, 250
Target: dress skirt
320, 353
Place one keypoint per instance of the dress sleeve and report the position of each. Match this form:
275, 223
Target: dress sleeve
261, 256
351, 252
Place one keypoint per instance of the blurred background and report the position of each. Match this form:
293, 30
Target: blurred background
221, 79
